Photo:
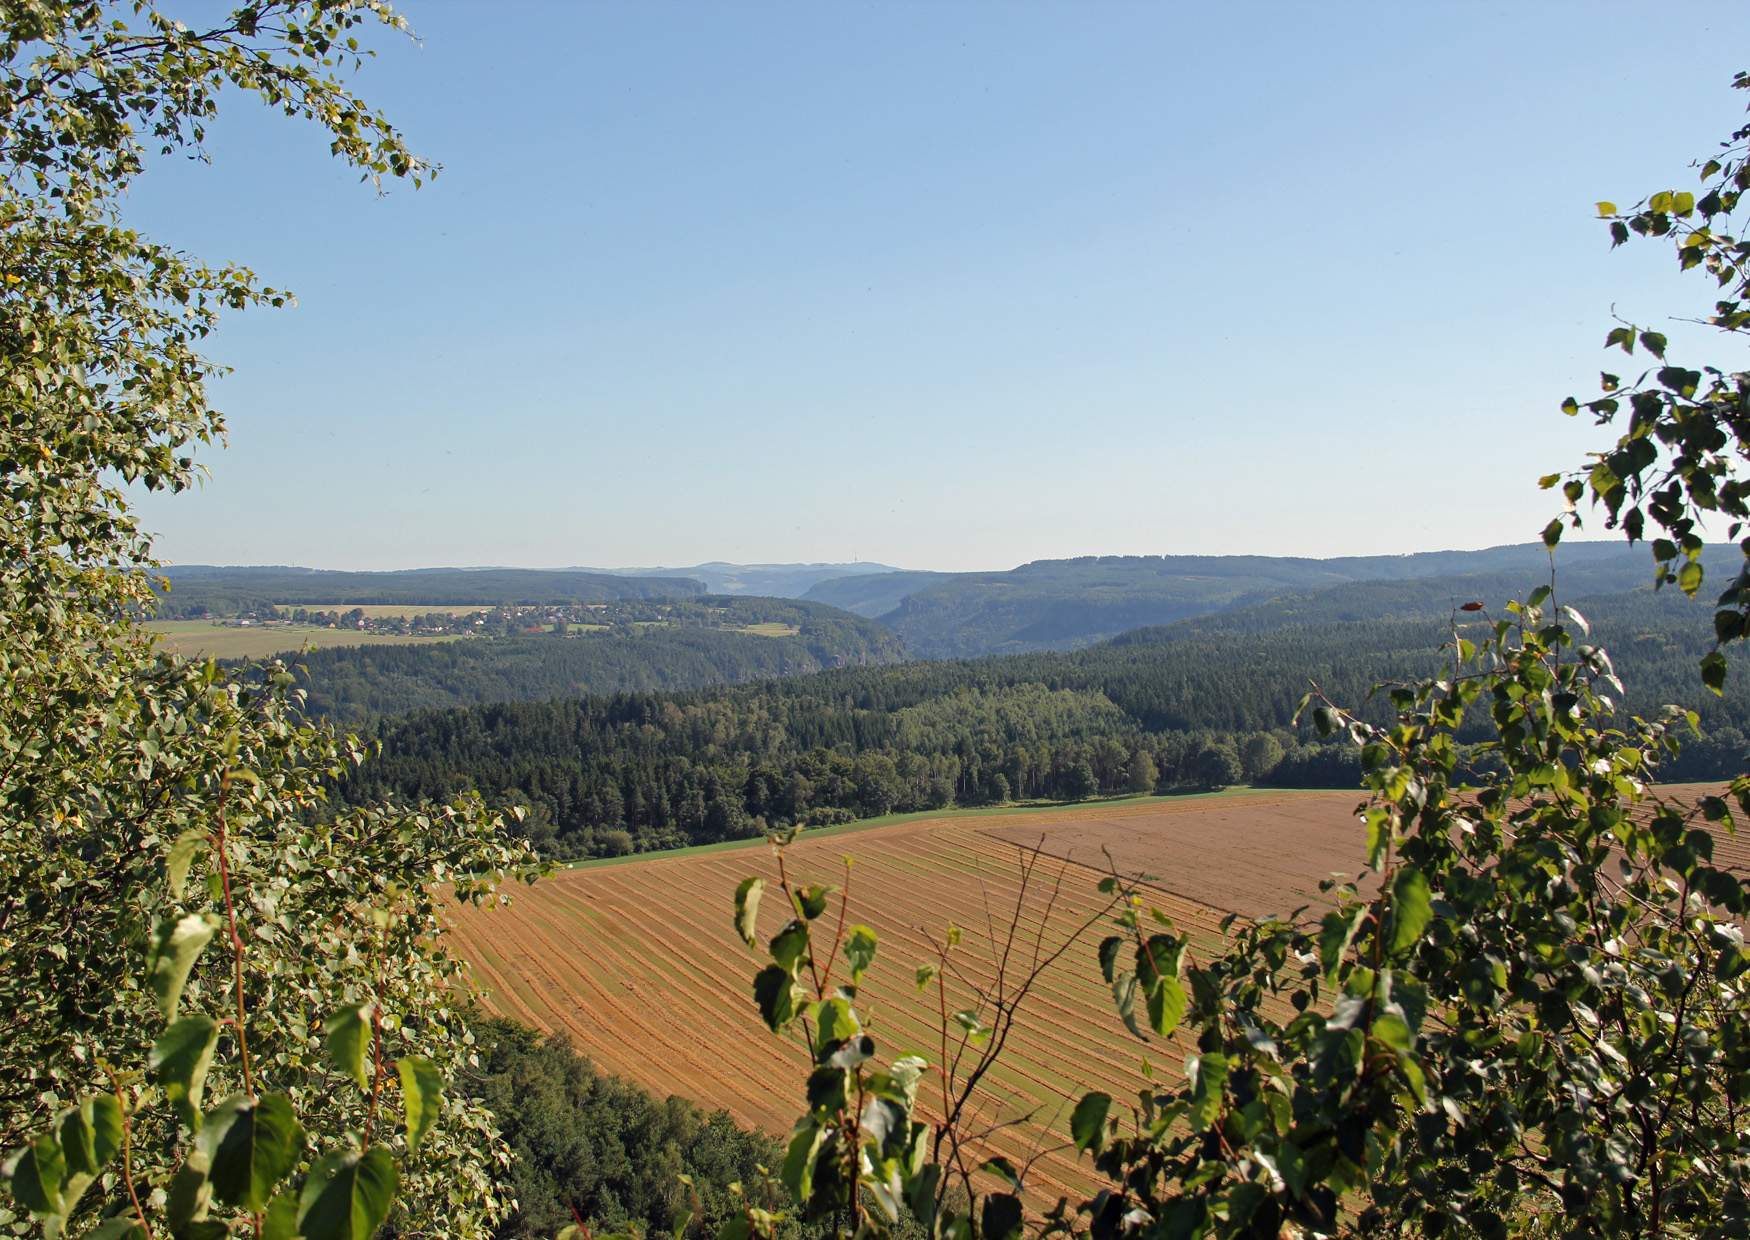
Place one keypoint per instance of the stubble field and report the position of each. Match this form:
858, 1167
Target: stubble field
639, 965
193, 638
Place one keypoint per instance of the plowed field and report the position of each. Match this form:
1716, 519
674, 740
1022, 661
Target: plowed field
639, 964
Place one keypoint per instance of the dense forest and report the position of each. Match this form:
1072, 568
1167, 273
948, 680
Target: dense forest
1067, 604
599, 1150
1201, 704
197, 591
642, 647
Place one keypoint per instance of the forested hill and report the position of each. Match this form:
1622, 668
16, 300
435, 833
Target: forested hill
200, 589
688, 645
874, 594
1190, 705
1067, 604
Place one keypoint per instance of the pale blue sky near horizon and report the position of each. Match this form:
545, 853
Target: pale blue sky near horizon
945, 286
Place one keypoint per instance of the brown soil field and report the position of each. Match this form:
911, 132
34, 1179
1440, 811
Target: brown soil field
640, 966
1265, 853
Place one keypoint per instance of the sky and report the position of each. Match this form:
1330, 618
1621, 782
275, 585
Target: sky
948, 286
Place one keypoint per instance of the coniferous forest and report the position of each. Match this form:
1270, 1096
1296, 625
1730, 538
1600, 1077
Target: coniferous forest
1199, 705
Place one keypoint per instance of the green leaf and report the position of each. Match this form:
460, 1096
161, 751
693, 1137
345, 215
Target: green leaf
811, 902
1003, 1169
182, 855
1166, 1005
926, 973
799, 1158
1000, 1217
250, 1145
826, 1089
975, 1029
1087, 1123
1379, 833
1412, 908
835, 1021
1336, 932
179, 1061
1124, 999
1109, 949
349, 1041
172, 953
1208, 1075
789, 947
121, 1227
347, 1195
35, 1174
747, 908
1606, 209
1392, 1030
1713, 671
1160, 964
860, 951
280, 1222
190, 1194
1291, 1166
91, 1134
1689, 577
422, 1091
774, 991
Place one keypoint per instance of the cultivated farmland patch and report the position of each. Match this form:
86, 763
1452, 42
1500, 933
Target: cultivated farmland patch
639, 965
671, 1006
231, 640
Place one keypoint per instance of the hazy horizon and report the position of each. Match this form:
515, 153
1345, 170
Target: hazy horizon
629, 569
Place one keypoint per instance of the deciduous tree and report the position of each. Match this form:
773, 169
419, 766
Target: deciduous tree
215, 987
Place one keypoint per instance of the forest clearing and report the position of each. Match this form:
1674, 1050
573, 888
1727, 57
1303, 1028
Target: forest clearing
214, 640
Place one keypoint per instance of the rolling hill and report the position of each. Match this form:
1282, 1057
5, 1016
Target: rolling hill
874, 594
708, 641
667, 769
768, 580
1068, 604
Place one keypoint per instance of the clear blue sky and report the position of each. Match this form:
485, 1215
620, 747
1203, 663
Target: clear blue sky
948, 286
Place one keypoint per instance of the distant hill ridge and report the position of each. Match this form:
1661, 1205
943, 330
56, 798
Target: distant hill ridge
1069, 603
769, 580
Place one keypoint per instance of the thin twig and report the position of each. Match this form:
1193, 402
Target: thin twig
128, 1150
219, 840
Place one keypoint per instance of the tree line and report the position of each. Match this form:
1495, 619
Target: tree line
1178, 709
